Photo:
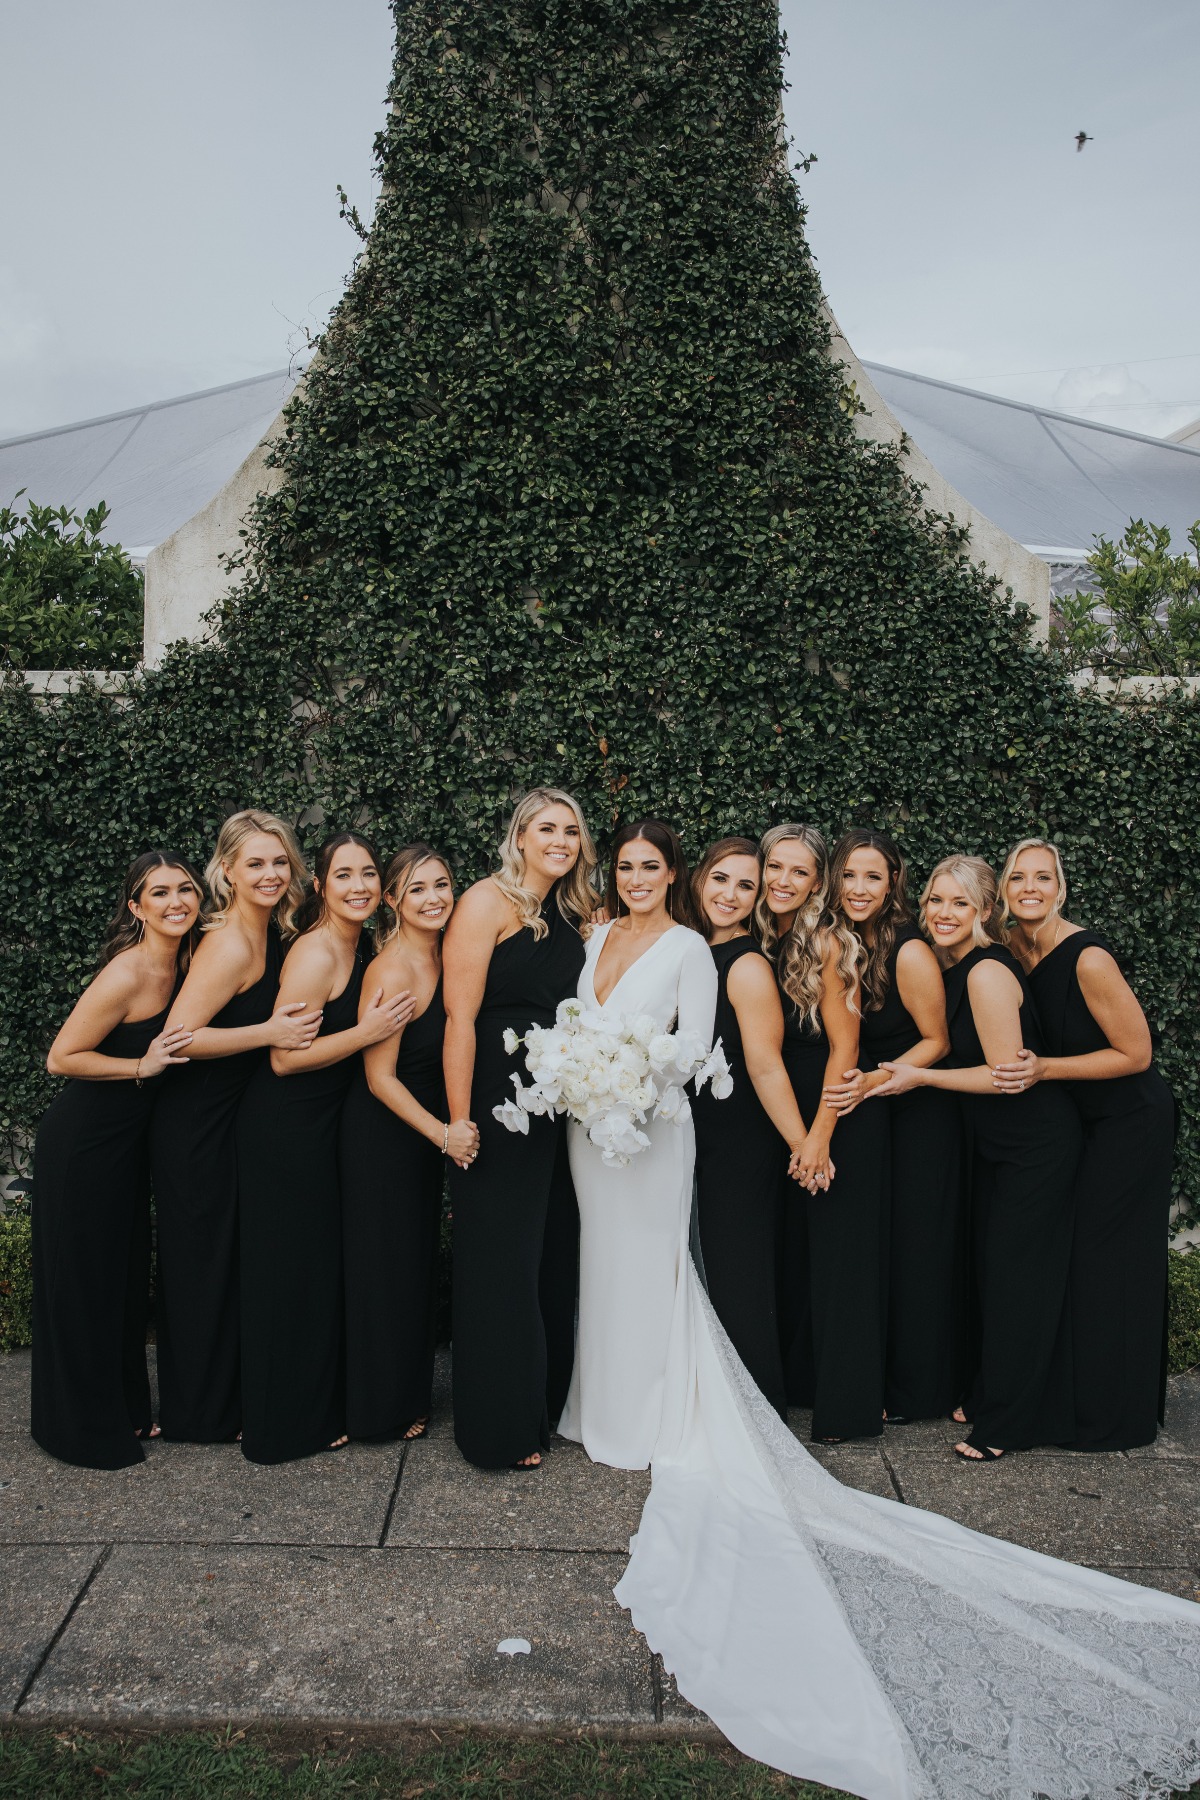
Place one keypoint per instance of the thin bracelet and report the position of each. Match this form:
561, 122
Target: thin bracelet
446, 1138
138, 1077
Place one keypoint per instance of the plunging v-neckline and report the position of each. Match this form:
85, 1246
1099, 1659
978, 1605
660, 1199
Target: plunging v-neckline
650, 948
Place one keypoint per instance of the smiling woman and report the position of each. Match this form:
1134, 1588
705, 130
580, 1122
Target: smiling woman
513, 951
293, 1383
227, 1002
91, 1223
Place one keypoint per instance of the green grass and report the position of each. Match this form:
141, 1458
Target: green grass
45, 1765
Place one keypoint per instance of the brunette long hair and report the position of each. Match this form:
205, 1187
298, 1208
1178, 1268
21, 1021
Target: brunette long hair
666, 842
894, 912
311, 910
124, 931
726, 846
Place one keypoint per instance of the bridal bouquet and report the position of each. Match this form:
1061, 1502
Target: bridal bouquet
609, 1074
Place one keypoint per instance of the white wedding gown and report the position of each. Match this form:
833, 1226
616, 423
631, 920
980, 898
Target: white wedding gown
835, 1635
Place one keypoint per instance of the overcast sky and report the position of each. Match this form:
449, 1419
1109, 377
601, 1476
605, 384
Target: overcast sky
171, 219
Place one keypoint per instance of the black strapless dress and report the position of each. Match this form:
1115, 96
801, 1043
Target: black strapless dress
834, 1304
293, 1363
392, 1181
740, 1200
516, 1221
194, 1167
926, 1367
90, 1392
1122, 1204
1025, 1150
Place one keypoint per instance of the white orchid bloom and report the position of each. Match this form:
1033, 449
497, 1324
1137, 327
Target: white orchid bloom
715, 1068
568, 1013
512, 1042
670, 1102
512, 1117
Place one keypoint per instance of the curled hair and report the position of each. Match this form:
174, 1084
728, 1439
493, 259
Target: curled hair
977, 879
666, 842
1007, 923
716, 853
894, 912
799, 952
124, 931
232, 835
576, 897
398, 878
312, 909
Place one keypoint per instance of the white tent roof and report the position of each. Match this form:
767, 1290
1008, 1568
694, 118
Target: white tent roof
1050, 481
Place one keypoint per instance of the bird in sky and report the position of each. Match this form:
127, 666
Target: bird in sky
1082, 138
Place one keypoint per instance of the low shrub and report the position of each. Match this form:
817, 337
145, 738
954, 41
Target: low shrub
1183, 1311
16, 1280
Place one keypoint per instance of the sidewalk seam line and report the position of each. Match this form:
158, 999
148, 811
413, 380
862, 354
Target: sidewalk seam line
391, 1505
54, 1642
886, 1460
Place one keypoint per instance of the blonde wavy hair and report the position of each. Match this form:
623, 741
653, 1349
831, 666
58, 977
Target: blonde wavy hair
977, 879
1007, 922
799, 953
576, 891
398, 877
232, 835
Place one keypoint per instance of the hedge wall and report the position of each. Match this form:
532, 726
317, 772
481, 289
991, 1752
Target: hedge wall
574, 494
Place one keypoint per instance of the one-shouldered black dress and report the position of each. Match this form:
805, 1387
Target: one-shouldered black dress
194, 1169
516, 1221
926, 1369
391, 1219
1025, 1151
293, 1364
1122, 1204
834, 1303
739, 1198
90, 1392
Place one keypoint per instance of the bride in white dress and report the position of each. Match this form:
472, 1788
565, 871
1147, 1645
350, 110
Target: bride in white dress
835, 1635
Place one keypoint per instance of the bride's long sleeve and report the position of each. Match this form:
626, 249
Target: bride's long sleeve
697, 990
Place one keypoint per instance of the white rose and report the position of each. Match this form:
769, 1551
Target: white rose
661, 1051
642, 1028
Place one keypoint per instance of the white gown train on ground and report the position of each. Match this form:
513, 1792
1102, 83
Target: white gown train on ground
835, 1635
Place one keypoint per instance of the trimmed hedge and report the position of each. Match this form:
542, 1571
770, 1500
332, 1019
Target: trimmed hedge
16, 1280
574, 494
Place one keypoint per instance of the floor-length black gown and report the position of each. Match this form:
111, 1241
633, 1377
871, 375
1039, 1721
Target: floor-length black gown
1118, 1280
90, 1392
293, 1354
194, 1170
391, 1219
925, 1372
516, 1222
739, 1198
833, 1304
1025, 1150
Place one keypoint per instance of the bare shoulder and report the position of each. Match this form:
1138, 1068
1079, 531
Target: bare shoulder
482, 912
1098, 969
225, 950
117, 985
915, 954
751, 976
991, 980
310, 955
391, 969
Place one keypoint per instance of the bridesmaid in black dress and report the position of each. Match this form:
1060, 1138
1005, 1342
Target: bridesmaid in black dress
288, 1131
904, 1020
227, 1001
1098, 1043
91, 1195
740, 1140
395, 1138
1025, 1153
513, 952
835, 1228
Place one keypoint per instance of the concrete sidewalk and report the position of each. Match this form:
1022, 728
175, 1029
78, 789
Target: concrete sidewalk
370, 1590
